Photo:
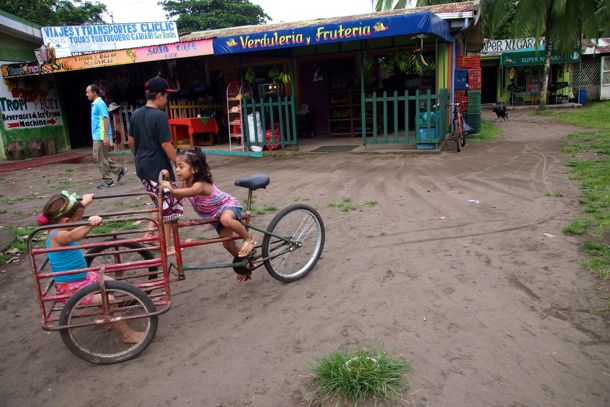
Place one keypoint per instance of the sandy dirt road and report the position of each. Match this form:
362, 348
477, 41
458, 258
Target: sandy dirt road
488, 310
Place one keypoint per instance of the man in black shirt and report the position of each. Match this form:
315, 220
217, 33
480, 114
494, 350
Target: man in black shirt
151, 143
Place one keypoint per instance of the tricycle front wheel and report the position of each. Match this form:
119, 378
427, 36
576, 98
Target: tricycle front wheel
102, 341
297, 245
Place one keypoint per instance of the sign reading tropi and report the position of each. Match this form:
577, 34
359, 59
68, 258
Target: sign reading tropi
80, 39
29, 106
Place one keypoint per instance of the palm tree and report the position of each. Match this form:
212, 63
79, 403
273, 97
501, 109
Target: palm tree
560, 22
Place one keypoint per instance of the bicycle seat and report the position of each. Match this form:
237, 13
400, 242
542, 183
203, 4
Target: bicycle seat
253, 182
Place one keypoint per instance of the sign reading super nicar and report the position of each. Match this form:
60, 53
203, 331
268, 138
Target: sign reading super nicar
79, 39
331, 33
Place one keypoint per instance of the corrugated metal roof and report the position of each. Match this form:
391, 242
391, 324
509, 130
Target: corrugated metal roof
449, 8
601, 46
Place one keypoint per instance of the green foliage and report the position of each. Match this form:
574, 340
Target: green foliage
55, 12
344, 205
19, 244
489, 131
598, 259
349, 378
406, 62
371, 203
199, 15
491, 29
577, 227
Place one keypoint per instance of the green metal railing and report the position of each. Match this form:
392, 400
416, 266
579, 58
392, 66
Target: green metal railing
399, 119
274, 116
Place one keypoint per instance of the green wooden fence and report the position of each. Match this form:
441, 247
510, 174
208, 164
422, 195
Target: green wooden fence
275, 115
400, 118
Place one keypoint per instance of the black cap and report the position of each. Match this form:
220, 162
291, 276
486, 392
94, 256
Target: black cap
158, 85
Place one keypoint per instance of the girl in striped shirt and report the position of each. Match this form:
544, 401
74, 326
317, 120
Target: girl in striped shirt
210, 202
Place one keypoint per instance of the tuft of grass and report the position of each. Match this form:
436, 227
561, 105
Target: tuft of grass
371, 203
554, 194
114, 226
577, 227
598, 259
350, 378
19, 245
270, 208
2, 211
489, 131
344, 205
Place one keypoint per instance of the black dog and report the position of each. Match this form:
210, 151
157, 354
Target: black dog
500, 111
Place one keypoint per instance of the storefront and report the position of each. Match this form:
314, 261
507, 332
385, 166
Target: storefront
375, 77
382, 78
31, 119
513, 71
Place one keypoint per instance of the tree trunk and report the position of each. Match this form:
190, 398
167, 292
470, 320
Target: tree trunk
548, 51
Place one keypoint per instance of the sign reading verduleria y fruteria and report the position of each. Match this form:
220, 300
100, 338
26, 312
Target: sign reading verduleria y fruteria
26, 106
79, 39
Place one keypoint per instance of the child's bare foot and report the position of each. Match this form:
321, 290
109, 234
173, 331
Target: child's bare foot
132, 337
242, 278
247, 248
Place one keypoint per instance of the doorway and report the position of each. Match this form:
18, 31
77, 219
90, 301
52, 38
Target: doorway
489, 87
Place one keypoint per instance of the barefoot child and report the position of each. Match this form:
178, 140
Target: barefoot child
210, 202
63, 209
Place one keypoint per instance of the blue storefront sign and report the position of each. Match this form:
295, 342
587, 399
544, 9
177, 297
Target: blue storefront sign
355, 30
73, 40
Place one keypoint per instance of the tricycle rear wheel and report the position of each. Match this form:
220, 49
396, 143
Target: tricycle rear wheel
100, 343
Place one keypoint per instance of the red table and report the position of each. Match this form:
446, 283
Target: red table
182, 129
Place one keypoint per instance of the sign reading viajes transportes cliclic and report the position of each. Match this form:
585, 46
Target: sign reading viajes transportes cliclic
79, 39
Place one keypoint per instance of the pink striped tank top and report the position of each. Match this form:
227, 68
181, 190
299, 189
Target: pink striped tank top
211, 206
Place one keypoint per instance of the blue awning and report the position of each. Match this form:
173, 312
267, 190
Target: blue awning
355, 30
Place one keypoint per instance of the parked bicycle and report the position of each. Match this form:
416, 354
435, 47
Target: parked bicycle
457, 127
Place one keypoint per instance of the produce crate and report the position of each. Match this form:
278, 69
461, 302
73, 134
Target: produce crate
474, 79
461, 76
462, 99
468, 62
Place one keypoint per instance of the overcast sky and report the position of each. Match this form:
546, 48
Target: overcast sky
125, 11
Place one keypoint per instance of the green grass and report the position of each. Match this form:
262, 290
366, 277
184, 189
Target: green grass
577, 227
344, 205
371, 203
590, 164
489, 131
19, 244
114, 226
592, 115
350, 378
2, 211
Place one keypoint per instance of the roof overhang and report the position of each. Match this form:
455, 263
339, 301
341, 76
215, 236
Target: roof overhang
356, 29
19, 28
